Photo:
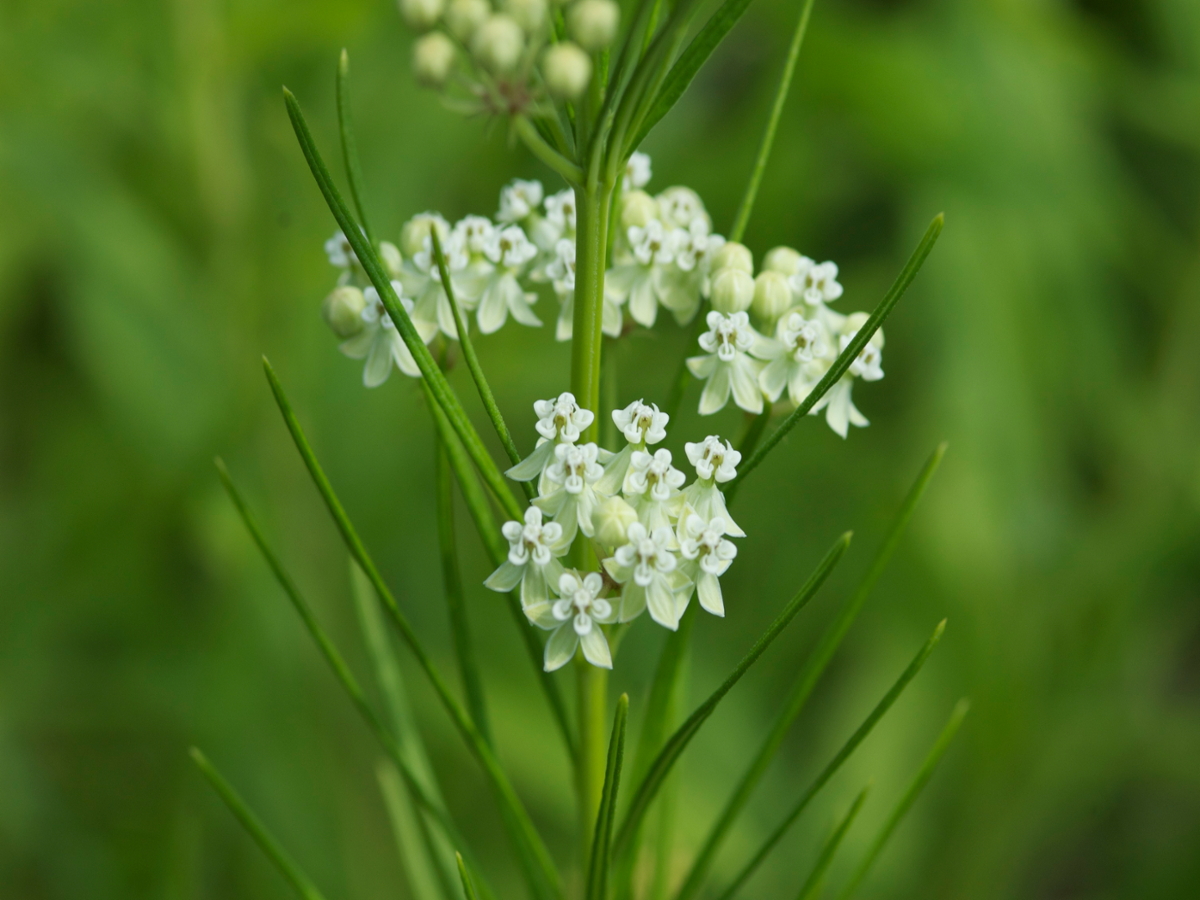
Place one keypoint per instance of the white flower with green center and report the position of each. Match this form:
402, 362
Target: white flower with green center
680, 206
651, 485
340, 253
681, 287
572, 499
474, 232
561, 420
800, 355
380, 343
576, 618
648, 571
816, 283
639, 276
519, 199
707, 556
510, 251
840, 411
641, 425
422, 278
716, 463
560, 211
637, 172
531, 561
728, 367
561, 272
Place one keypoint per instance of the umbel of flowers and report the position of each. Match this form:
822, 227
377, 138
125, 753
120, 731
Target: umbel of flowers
768, 337
659, 543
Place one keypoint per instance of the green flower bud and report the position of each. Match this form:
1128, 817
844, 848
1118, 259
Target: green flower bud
781, 259
529, 14
421, 15
498, 43
733, 255
593, 23
637, 208
772, 296
732, 291
463, 17
567, 70
432, 60
390, 254
416, 229
611, 521
342, 311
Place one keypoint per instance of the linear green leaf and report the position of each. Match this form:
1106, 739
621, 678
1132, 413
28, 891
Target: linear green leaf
816, 878
906, 800
452, 581
349, 145
468, 888
843, 754
839, 367
422, 793
533, 855
414, 842
597, 884
269, 846
810, 673
679, 740
433, 375
494, 543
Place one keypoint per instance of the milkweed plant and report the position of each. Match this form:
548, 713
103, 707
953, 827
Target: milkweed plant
588, 537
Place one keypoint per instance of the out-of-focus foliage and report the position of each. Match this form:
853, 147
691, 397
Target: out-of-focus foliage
158, 231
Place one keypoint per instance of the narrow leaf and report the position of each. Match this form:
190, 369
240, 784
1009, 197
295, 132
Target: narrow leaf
442, 392
597, 885
349, 146
534, 857
842, 363
680, 739
814, 666
843, 754
468, 888
269, 846
415, 843
906, 800
816, 878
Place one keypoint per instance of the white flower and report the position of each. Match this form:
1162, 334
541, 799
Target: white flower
576, 618
648, 570
639, 277
816, 283
799, 356
637, 172
422, 279
682, 285
474, 232
560, 421
380, 342
840, 411
531, 559
339, 251
728, 367
518, 199
680, 206
709, 554
561, 271
716, 463
509, 250
572, 498
641, 424
652, 484
560, 211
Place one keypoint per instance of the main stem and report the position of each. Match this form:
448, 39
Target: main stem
591, 250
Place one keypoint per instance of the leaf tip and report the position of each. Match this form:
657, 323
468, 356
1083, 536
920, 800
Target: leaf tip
202, 761
941, 626
962, 707
344, 62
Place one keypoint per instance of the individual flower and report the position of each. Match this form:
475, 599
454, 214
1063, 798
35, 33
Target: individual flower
641, 425
340, 253
840, 411
572, 499
380, 342
680, 206
639, 276
560, 421
560, 211
716, 463
637, 172
561, 272
651, 485
647, 569
799, 356
728, 366
415, 231
531, 562
519, 199
707, 556
576, 618
510, 252
681, 286
422, 279
816, 283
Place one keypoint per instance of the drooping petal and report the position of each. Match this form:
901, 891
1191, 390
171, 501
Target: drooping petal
716, 391
505, 578
746, 392
837, 412
632, 602
400, 353
445, 317
519, 302
566, 315
708, 589
358, 346
660, 600
611, 318
643, 305
856, 418
533, 586
379, 361
532, 466
492, 309
542, 615
561, 647
595, 648
774, 378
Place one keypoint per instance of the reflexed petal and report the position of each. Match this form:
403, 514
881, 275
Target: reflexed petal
566, 315
642, 304
561, 647
660, 600
445, 317
358, 346
614, 472
518, 302
631, 602
746, 392
718, 510
402, 356
595, 649
533, 587
542, 615
505, 578
716, 392
611, 318
531, 466
492, 309
774, 378
708, 589
379, 362
856, 418
837, 413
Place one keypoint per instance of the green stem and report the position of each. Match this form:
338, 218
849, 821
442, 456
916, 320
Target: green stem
542, 150
591, 245
592, 688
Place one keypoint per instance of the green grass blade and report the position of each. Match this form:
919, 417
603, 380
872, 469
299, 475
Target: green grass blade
349, 146
810, 673
906, 800
838, 369
415, 843
465, 877
468, 349
533, 855
816, 878
679, 740
269, 846
489, 532
842, 755
597, 883
442, 392
764, 150
452, 578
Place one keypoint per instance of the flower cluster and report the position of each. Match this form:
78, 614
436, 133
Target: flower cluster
659, 542
796, 340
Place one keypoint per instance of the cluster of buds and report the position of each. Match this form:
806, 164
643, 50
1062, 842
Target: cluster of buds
509, 55
660, 543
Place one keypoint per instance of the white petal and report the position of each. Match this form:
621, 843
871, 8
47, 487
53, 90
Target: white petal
402, 356
492, 309
632, 602
542, 615
358, 346
642, 304
561, 647
774, 378
611, 318
837, 413
533, 587
716, 392
566, 315
379, 361
661, 603
505, 578
708, 589
531, 466
595, 649
746, 392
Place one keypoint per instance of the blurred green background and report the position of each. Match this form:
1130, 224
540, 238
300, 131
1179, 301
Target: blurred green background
159, 231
